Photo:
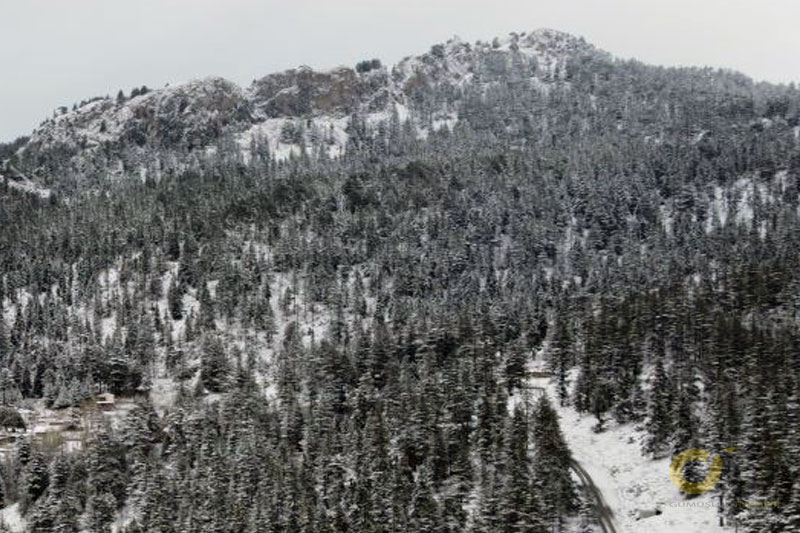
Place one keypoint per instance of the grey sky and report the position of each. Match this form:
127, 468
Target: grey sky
56, 52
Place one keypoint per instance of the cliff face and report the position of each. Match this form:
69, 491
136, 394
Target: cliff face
425, 89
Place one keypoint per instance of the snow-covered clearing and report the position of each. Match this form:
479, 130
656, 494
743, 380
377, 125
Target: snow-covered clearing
29, 187
629, 481
11, 518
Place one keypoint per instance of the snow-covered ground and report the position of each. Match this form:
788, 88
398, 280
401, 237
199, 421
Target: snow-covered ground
11, 518
629, 481
28, 187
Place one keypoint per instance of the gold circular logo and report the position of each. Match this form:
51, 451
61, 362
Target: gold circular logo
680, 461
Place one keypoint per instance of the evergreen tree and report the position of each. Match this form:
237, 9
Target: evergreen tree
175, 300
521, 506
552, 463
214, 367
659, 422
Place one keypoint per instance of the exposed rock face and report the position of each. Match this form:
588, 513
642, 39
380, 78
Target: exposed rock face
425, 89
189, 115
302, 91
192, 114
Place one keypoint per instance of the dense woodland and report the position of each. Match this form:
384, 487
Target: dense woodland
584, 223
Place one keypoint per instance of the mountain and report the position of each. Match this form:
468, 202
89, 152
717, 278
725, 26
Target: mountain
296, 107
299, 109
360, 300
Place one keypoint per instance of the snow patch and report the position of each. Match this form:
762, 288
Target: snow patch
720, 205
744, 208
666, 219
629, 481
12, 519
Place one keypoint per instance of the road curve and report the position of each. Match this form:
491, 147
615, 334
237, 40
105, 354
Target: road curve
604, 514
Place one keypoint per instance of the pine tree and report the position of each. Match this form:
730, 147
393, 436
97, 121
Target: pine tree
792, 512
34, 480
175, 300
560, 358
173, 248
5, 351
424, 512
684, 437
207, 313
515, 367
214, 367
659, 422
602, 399
100, 510
520, 508
552, 463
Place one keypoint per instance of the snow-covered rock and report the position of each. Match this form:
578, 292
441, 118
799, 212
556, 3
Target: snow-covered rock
285, 110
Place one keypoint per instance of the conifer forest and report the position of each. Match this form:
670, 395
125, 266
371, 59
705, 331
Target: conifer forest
377, 299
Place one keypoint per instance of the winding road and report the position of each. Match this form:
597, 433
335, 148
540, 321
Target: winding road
604, 514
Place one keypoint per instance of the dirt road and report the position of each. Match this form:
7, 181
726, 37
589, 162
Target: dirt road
604, 514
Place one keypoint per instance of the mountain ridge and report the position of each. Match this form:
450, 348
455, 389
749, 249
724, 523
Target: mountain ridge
302, 110
196, 113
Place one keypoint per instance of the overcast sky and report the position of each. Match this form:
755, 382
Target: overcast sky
55, 52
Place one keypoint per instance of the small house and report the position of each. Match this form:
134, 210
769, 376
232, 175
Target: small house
539, 369
105, 401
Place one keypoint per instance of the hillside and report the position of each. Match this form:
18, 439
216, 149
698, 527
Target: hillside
299, 106
320, 296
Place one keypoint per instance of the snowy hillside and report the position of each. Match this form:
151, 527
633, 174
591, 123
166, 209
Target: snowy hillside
630, 482
328, 301
299, 109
